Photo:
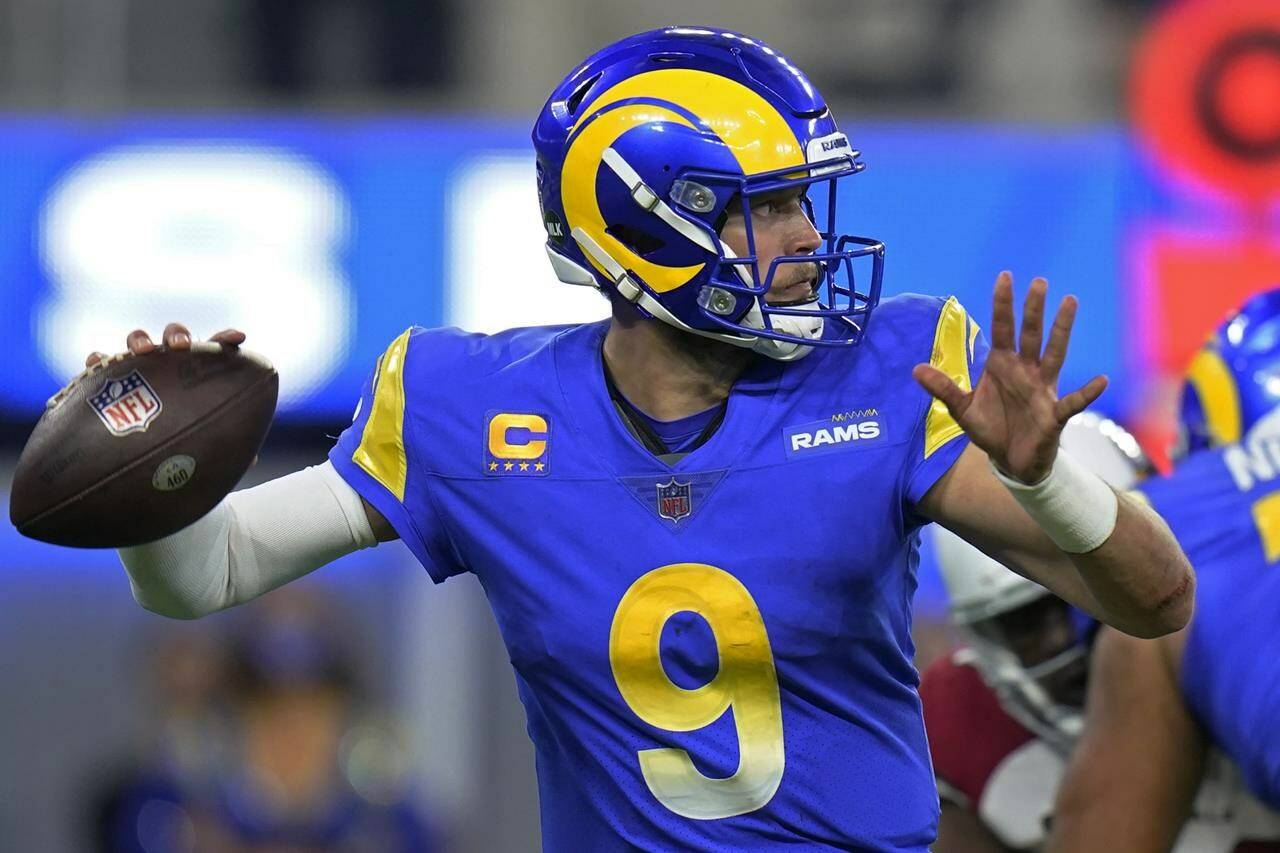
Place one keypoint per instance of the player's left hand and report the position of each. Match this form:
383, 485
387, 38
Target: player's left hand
1014, 414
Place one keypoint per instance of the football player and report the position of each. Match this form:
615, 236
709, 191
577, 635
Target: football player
1003, 711
1156, 708
696, 522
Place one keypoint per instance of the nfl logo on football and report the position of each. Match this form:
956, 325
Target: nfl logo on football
126, 404
675, 500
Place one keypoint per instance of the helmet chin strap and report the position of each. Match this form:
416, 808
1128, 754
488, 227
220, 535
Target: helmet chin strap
800, 327
809, 328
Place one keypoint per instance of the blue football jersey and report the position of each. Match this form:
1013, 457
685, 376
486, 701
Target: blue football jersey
715, 654
1224, 507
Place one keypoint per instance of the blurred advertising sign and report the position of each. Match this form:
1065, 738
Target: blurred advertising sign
1188, 279
1205, 95
321, 239
491, 289
216, 236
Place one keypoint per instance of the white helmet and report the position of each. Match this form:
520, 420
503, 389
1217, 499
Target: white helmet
979, 588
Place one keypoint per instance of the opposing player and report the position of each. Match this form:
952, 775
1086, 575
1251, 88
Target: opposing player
696, 523
1004, 710
1156, 708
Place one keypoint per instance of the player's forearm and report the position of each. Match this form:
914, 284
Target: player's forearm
1132, 567
254, 541
1137, 581
1139, 576
1103, 553
185, 575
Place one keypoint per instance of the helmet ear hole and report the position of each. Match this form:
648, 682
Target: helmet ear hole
734, 205
576, 97
638, 241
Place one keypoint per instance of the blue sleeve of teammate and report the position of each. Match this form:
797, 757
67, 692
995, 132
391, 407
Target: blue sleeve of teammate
377, 456
959, 350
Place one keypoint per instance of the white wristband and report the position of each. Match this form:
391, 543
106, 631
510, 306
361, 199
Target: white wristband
1072, 505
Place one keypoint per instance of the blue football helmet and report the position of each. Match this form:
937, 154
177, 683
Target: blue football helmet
642, 150
1234, 379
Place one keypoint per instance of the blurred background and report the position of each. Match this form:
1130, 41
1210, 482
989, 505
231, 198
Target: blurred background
322, 173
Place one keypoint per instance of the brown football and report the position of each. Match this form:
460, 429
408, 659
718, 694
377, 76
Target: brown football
140, 446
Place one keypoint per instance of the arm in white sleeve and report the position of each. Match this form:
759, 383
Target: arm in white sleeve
252, 542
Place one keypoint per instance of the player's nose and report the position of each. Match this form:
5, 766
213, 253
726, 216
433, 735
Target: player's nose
804, 239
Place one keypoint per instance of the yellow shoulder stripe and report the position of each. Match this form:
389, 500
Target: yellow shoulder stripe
949, 356
381, 452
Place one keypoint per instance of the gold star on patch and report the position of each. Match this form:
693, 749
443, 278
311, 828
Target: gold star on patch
507, 466
524, 466
538, 466
493, 466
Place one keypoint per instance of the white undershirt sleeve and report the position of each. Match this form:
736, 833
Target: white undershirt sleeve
252, 542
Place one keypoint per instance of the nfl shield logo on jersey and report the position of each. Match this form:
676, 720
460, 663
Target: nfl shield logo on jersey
126, 404
675, 500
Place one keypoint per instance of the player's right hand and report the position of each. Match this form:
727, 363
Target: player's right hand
176, 336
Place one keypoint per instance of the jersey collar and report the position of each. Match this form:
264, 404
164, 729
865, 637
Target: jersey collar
580, 373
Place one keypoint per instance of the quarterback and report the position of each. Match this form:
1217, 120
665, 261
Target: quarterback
696, 522
1160, 714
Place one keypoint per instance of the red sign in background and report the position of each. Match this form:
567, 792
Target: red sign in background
1205, 103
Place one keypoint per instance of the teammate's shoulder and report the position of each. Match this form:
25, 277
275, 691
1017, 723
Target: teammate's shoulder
1233, 469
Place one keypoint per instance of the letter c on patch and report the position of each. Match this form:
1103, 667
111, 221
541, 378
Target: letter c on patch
530, 445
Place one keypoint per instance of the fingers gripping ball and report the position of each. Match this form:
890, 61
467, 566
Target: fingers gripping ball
139, 446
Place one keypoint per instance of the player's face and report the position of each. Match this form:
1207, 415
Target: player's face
780, 226
1039, 632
